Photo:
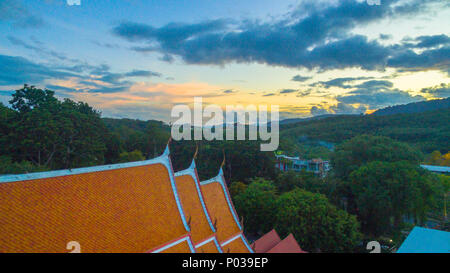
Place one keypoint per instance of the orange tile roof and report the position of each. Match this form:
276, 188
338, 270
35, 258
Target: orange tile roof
130, 209
266, 242
211, 246
193, 205
237, 245
288, 245
180, 245
220, 210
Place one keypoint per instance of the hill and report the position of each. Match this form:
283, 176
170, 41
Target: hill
428, 131
415, 107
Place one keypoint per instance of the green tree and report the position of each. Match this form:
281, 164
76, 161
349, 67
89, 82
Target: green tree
386, 192
237, 188
315, 223
54, 134
360, 150
6, 117
133, 156
7, 166
257, 205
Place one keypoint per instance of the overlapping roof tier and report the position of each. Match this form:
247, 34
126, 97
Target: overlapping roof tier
132, 207
229, 230
195, 210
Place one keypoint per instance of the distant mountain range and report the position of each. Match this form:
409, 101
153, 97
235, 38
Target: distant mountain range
410, 108
296, 120
415, 107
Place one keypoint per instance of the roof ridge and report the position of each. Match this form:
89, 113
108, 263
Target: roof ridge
163, 159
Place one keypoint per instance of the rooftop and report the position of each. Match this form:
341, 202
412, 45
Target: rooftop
425, 240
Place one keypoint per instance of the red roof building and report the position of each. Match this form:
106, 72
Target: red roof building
272, 243
266, 242
288, 245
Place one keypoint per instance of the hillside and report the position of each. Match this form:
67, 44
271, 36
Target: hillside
415, 107
427, 131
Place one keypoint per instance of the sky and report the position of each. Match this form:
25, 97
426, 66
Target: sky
138, 58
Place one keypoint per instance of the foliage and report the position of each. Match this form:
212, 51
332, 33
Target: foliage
427, 131
133, 156
9, 167
315, 223
436, 158
53, 134
360, 150
385, 192
257, 205
243, 159
237, 188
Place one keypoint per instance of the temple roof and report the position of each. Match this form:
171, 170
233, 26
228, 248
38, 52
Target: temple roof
180, 245
210, 245
193, 204
132, 207
236, 244
266, 242
221, 208
288, 245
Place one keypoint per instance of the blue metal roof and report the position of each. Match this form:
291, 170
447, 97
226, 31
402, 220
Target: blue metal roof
439, 169
425, 240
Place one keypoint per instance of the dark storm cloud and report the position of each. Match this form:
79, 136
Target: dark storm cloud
299, 78
377, 94
409, 60
315, 36
439, 91
340, 82
18, 70
288, 91
432, 41
338, 109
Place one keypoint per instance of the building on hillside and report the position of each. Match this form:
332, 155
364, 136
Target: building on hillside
437, 169
132, 207
317, 166
272, 243
425, 240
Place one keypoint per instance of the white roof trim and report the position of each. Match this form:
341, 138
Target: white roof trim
212, 239
187, 238
41, 175
241, 236
219, 179
205, 242
163, 159
192, 172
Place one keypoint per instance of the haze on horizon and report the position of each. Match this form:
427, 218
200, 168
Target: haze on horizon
137, 59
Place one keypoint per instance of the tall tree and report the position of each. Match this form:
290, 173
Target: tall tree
315, 223
386, 192
257, 205
352, 154
55, 134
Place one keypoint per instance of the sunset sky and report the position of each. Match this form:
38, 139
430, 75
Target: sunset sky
136, 58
